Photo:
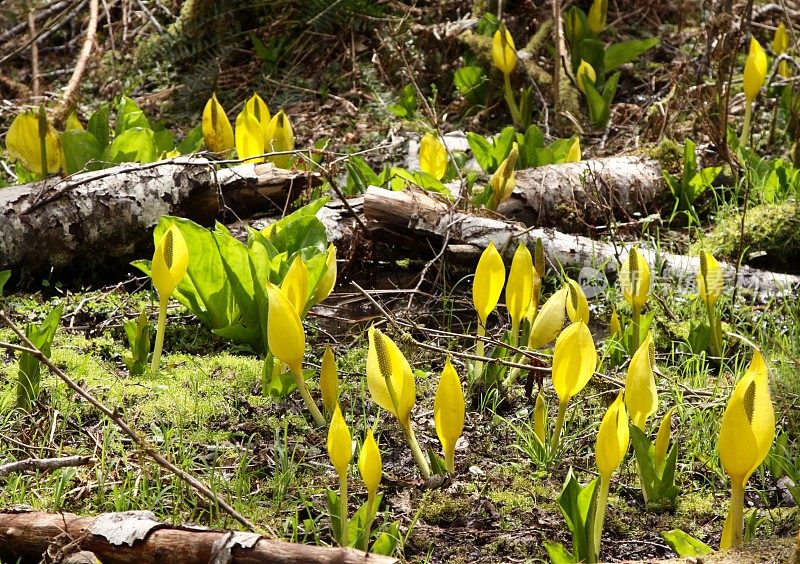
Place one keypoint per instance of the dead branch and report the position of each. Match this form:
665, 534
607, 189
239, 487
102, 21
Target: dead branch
80, 66
43, 464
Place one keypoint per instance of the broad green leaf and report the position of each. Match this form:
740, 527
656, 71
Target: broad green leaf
136, 144
503, 143
129, 115
577, 505
387, 542
302, 232
80, 147
360, 176
98, 125
4, 276
29, 372
471, 82
193, 141
610, 88
558, 553
592, 51
482, 151
164, 139
625, 51
599, 109
684, 544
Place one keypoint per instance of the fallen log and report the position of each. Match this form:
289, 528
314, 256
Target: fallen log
135, 537
100, 216
418, 218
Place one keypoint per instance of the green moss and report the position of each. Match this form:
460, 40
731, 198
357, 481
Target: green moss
668, 153
443, 508
771, 237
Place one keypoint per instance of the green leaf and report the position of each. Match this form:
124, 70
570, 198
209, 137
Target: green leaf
599, 109
334, 513
592, 51
360, 176
482, 151
29, 371
559, 149
577, 505
129, 116
407, 104
471, 82
610, 88
558, 554
620, 53
80, 147
164, 139
136, 144
643, 449
387, 541
302, 232
685, 545
503, 143
4, 276
98, 125
193, 142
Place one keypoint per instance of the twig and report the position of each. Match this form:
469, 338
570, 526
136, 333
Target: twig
43, 464
43, 13
37, 88
150, 450
80, 66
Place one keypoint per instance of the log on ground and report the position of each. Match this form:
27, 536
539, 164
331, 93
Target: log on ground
419, 218
135, 537
108, 215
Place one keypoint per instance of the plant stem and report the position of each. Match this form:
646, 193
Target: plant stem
734, 524
344, 540
556, 438
716, 338
748, 116
635, 334
450, 458
479, 348
512, 103
599, 517
368, 524
416, 451
645, 486
303, 389
162, 325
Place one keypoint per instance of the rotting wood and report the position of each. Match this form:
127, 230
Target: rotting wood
110, 214
137, 538
419, 218
41, 464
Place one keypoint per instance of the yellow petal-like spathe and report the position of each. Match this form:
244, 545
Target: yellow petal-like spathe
503, 180
748, 424
369, 464
520, 284
328, 280
641, 395
504, 53
280, 137
490, 275
170, 261
73, 123
577, 304
550, 320
634, 278
285, 336
614, 326
217, 130
780, 44
23, 144
329, 381
540, 418
710, 278
448, 409
295, 285
432, 156
574, 154
574, 361
597, 15
755, 70
612, 439
662, 441
257, 108
585, 72
340, 446
249, 138
383, 357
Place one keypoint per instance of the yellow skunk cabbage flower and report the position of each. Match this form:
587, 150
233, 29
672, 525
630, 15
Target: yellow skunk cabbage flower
448, 413
371, 469
249, 138
662, 441
585, 71
295, 285
432, 156
73, 123
217, 130
612, 439
519, 288
634, 278
614, 325
280, 137
490, 275
549, 321
503, 180
340, 445
574, 361
389, 376
641, 395
538, 277
329, 381
287, 342
170, 261
710, 279
780, 44
748, 428
755, 70
577, 304
504, 53
256, 107
540, 418
328, 280
597, 16
574, 154
24, 143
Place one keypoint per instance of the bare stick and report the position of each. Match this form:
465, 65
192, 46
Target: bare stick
71, 92
557, 62
43, 464
151, 451
37, 88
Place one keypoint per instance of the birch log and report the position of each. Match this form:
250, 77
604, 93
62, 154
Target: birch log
420, 219
91, 219
135, 537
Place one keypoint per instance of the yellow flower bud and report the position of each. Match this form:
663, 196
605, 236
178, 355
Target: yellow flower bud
780, 44
432, 156
540, 418
585, 72
369, 464
504, 54
574, 361
577, 304
520, 284
597, 15
329, 381
641, 395
280, 137
612, 439
285, 336
755, 70
256, 107
448, 412
549, 321
328, 280
614, 326
662, 441
340, 448
249, 138
574, 154
710, 279
634, 278
295, 285
170, 262
490, 275
217, 130
503, 180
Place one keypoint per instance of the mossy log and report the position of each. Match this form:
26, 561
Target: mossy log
418, 219
96, 219
136, 537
